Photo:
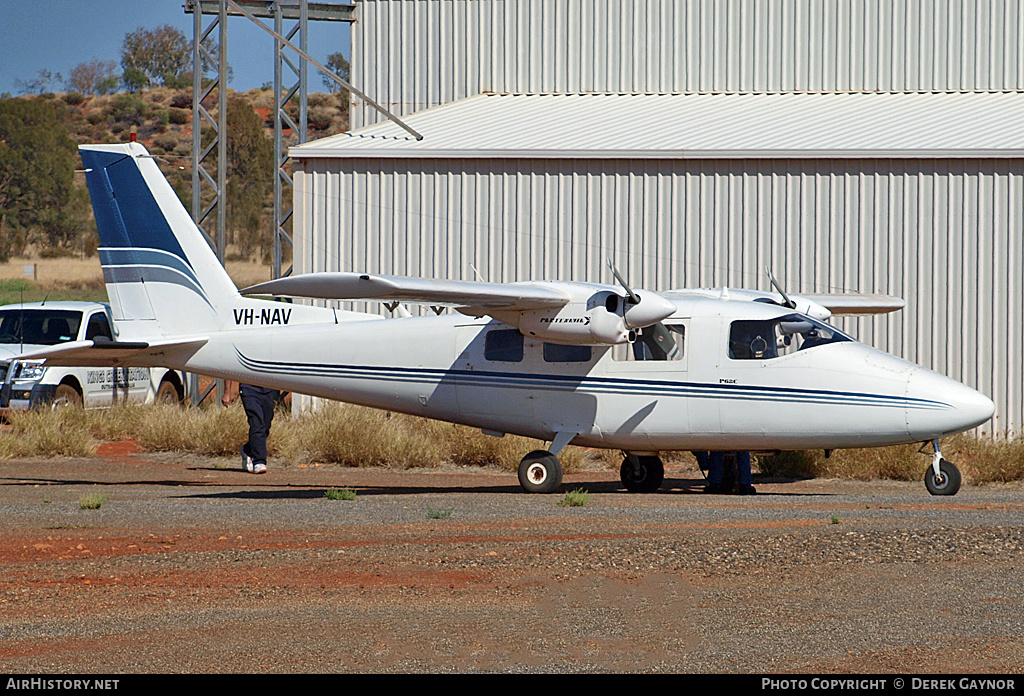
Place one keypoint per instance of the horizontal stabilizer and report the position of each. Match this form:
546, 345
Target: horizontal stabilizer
109, 353
514, 297
852, 303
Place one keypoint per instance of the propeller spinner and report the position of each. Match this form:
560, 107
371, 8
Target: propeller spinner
642, 309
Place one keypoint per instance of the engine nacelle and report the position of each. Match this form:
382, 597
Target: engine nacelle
602, 318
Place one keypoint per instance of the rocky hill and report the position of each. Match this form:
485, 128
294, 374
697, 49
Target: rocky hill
44, 208
163, 116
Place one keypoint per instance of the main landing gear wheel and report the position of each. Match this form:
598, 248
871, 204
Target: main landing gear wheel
644, 476
946, 482
540, 472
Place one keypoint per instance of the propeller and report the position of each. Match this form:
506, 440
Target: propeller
631, 297
786, 302
638, 311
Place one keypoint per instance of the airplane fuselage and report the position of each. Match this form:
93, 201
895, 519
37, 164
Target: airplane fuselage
843, 394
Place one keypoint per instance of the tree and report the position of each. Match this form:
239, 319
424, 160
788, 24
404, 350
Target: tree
161, 55
38, 201
134, 79
42, 82
338, 64
93, 77
250, 174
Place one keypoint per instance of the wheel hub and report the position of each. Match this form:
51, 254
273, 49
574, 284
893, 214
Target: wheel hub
537, 473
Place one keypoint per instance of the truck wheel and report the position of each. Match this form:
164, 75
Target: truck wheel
167, 394
66, 395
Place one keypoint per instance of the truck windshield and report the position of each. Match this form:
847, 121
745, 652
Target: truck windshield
46, 327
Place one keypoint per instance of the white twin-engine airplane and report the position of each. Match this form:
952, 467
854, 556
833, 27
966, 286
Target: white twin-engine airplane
563, 362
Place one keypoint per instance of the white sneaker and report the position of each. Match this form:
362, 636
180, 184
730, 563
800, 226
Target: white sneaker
259, 468
247, 461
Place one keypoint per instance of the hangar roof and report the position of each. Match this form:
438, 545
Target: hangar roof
698, 126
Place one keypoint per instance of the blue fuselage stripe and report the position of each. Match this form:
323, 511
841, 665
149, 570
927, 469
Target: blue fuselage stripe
586, 383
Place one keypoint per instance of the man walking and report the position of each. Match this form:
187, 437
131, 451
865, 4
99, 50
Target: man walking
258, 403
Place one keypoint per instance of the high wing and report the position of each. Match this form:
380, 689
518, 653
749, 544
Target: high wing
110, 353
853, 303
818, 305
556, 311
513, 297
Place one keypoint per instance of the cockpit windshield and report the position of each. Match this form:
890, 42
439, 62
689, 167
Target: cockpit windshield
770, 338
45, 327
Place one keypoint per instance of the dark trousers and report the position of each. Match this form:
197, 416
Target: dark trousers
714, 462
259, 411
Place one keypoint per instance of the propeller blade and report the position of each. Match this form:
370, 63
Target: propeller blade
775, 284
631, 296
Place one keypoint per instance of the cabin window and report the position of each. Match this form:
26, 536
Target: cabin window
556, 352
503, 345
767, 339
658, 342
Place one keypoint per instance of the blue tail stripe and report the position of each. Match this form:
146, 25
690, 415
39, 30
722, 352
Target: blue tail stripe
152, 274
127, 214
145, 257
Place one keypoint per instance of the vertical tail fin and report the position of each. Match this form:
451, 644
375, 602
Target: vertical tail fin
162, 276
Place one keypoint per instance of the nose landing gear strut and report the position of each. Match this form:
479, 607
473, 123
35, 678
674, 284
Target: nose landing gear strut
942, 477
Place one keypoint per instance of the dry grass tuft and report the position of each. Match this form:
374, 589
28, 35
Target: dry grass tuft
214, 432
354, 436
62, 432
900, 463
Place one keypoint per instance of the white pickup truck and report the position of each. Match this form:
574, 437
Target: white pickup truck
27, 383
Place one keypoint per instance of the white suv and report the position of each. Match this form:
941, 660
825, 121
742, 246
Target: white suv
27, 383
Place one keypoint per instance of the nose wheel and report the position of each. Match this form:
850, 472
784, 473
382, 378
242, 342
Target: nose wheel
942, 477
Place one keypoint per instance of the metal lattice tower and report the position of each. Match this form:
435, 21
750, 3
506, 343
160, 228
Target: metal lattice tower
301, 12
282, 179
295, 66
203, 61
201, 55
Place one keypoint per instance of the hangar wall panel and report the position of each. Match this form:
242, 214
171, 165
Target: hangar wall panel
946, 235
416, 54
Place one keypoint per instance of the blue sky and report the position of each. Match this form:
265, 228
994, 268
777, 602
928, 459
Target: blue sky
57, 35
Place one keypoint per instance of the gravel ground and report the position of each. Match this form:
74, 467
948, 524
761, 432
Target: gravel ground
190, 566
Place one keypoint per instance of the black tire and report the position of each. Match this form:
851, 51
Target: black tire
946, 483
167, 393
540, 472
647, 479
65, 395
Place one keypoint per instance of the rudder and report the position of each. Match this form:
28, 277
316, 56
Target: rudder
162, 276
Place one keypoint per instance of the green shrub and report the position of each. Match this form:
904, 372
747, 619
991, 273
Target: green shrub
179, 116
92, 501
575, 498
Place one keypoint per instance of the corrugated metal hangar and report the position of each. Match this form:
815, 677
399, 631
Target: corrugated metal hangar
851, 145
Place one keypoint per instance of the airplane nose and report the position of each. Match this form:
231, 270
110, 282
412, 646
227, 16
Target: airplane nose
938, 406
